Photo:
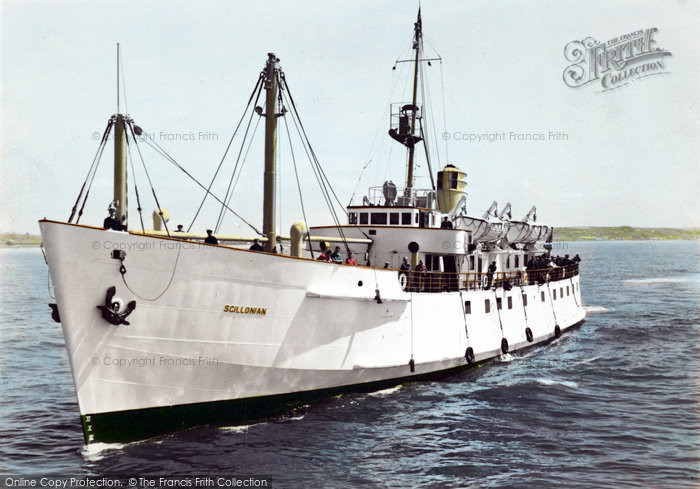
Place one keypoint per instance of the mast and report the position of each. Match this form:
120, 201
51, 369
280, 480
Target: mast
269, 204
411, 149
120, 161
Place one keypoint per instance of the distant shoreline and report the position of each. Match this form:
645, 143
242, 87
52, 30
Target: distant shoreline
624, 233
562, 234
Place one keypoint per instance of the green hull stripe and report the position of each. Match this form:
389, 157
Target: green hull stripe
140, 424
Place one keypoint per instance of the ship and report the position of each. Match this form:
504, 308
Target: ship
170, 329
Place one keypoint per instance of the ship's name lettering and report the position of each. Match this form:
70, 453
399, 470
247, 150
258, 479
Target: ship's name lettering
245, 309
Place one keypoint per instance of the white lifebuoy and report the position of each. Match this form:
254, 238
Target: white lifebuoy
403, 280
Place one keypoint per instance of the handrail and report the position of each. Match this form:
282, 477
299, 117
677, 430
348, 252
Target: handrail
416, 281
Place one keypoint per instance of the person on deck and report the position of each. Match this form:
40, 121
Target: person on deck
350, 260
405, 266
446, 223
111, 221
211, 239
179, 229
336, 257
256, 246
489, 274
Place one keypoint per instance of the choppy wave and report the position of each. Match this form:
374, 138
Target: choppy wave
585, 402
595, 309
656, 280
565, 383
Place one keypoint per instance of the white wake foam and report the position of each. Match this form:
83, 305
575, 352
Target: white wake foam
565, 383
97, 451
385, 392
595, 309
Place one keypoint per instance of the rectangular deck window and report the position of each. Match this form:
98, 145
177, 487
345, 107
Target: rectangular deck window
524, 300
561, 292
499, 303
467, 307
517, 261
554, 294
363, 218
487, 305
379, 218
510, 302
394, 218
567, 291
542, 295
471, 263
406, 218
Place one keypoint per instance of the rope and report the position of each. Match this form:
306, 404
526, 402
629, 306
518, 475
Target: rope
122, 270
93, 169
148, 177
208, 189
552, 302
301, 199
323, 181
169, 158
136, 188
238, 160
464, 313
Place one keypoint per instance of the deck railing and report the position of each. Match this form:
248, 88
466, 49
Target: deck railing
415, 281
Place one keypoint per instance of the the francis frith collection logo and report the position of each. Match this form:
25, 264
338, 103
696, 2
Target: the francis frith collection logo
614, 63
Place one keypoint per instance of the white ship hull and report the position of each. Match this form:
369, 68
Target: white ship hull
216, 325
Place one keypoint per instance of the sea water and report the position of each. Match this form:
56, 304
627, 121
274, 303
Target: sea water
613, 403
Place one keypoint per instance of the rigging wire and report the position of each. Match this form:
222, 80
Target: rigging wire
245, 158
238, 160
322, 178
208, 189
123, 80
93, 169
301, 199
130, 125
444, 113
169, 158
421, 74
136, 188
313, 153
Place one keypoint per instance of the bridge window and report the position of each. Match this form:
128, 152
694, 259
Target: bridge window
406, 218
487, 305
363, 218
379, 218
467, 307
394, 218
352, 218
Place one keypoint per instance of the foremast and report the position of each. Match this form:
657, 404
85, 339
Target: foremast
269, 204
119, 201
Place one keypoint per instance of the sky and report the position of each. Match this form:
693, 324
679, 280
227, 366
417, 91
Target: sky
626, 156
